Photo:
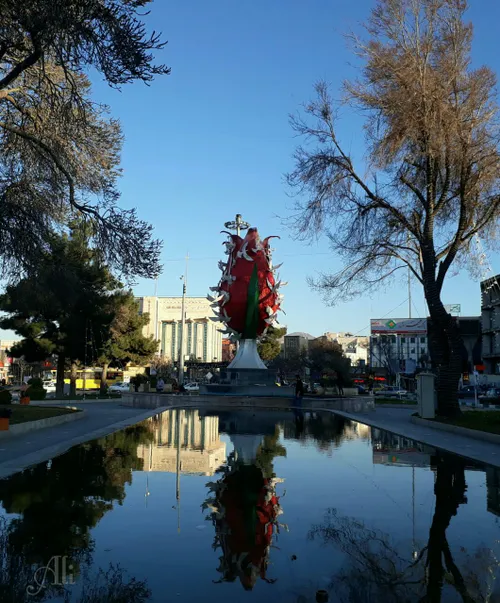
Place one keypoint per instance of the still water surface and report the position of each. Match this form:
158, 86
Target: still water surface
241, 506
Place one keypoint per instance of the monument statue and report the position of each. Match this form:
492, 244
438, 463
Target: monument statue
247, 298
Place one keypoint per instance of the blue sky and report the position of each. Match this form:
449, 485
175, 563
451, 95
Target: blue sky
213, 139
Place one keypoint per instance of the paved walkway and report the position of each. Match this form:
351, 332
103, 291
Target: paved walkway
398, 421
102, 418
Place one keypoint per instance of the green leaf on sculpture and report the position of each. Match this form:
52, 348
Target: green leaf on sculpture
252, 313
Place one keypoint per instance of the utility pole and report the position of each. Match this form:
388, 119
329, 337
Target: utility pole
183, 323
156, 310
409, 293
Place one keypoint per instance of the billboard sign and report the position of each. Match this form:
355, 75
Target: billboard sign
399, 326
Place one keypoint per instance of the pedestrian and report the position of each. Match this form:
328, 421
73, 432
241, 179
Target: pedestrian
340, 384
299, 391
160, 384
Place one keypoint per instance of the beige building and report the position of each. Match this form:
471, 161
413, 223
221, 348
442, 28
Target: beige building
202, 336
354, 347
200, 449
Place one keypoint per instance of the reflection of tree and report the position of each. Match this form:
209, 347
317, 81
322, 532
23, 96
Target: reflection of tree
268, 451
18, 584
60, 501
377, 571
328, 430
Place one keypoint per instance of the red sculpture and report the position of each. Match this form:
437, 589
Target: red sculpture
248, 296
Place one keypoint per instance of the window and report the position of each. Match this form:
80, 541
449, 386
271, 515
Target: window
412, 340
412, 351
422, 340
403, 339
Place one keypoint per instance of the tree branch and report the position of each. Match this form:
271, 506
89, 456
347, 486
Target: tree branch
29, 61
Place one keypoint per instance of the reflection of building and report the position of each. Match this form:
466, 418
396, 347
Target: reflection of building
203, 339
200, 448
392, 449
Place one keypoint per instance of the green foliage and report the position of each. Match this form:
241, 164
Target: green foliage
5, 396
327, 357
60, 150
36, 393
269, 345
125, 342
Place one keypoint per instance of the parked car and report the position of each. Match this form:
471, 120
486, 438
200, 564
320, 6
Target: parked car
492, 395
119, 388
391, 391
192, 387
49, 386
468, 391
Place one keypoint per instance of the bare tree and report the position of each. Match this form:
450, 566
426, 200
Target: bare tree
59, 149
432, 179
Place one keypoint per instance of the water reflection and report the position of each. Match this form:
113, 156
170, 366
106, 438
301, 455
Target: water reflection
56, 505
337, 473
185, 441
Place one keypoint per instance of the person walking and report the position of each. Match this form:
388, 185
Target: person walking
160, 384
299, 391
340, 384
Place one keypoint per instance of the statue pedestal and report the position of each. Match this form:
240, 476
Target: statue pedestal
247, 356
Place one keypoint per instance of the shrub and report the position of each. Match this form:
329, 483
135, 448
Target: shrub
5, 397
5, 413
36, 390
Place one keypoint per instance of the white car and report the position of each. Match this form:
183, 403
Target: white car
191, 387
119, 388
49, 386
391, 392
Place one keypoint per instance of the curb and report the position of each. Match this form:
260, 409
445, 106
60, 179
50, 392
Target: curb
475, 434
21, 428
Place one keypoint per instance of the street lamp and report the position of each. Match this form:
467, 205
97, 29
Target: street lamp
237, 224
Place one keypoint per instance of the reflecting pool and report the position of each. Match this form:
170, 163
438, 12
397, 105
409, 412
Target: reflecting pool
219, 506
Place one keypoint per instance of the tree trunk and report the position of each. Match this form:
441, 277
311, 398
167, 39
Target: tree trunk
446, 351
449, 489
72, 379
61, 363
104, 374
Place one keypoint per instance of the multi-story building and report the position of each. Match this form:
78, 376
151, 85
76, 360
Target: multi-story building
490, 317
202, 336
399, 345
295, 343
354, 347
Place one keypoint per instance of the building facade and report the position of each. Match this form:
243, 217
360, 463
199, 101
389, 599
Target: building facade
490, 318
202, 336
295, 343
399, 345
353, 347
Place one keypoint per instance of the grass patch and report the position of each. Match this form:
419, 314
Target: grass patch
23, 414
486, 420
379, 400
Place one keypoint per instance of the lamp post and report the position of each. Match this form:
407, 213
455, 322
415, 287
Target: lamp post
237, 224
183, 324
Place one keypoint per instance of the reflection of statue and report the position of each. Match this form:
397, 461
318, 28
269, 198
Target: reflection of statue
245, 508
245, 511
